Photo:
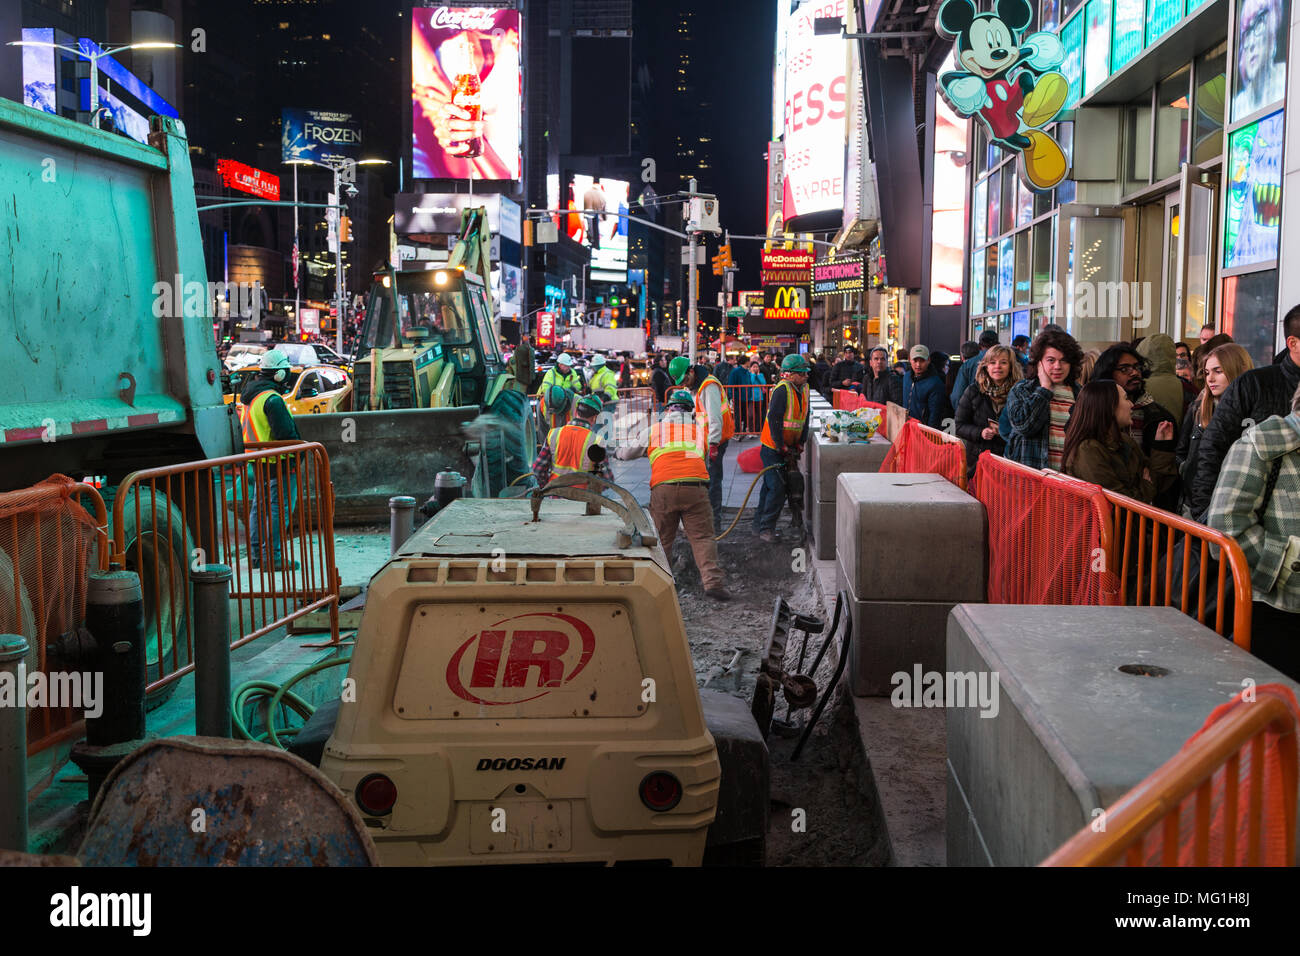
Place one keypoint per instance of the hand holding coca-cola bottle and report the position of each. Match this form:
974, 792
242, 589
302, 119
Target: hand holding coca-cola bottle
459, 127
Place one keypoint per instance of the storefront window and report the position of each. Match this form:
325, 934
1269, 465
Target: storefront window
980, 214
1127, 40
1042, 259
1261, 39
1006, 272
1022, 268
991, 278
1210, 79
1020, 323
1250, 313
1096, 258
1161, 15
1096, 47
1137, 160
1068, 7
995, 203
977, 281
1172, 123
1010, 175
1024, 203
981, 150
1072, 67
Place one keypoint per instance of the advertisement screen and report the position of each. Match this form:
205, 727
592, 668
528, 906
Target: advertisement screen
1254, 213
39, 83
1260, 78
815, 97
947, 237
1162, 14
1072, 68
1126, 43
465, 91
249, 179
319, 136
605, 236
1096, 48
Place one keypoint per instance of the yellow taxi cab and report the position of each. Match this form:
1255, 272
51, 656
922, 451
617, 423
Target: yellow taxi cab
313, 390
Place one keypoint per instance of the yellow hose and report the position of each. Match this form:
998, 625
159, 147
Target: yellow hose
779, 464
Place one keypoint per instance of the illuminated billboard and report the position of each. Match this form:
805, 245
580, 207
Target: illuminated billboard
319, 136
466, 86
948, 226
816, 90
249, 179
1253, 219
605, 236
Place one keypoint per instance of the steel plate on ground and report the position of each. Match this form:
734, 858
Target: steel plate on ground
205, 801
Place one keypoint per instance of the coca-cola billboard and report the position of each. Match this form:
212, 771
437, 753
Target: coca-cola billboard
816, 92
466, 84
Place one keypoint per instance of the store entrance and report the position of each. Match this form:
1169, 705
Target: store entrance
1175, 259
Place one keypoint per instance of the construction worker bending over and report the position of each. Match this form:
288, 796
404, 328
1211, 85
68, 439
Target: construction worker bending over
679, 481
567, 447
784, 432
265, 417
556, 404
603, 382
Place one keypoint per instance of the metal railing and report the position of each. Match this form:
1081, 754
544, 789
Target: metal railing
1218, 814
169, 519
1163, 559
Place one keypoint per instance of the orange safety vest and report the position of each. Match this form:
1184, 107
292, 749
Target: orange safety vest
702, 413
569, 444
796, 413
677, 451
253, 418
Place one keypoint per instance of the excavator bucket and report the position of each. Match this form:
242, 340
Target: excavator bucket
377, 455
205, 801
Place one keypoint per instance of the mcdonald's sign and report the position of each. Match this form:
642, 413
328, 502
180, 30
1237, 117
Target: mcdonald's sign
787, 302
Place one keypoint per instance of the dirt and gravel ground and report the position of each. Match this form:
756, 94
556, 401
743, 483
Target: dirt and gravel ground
840, 823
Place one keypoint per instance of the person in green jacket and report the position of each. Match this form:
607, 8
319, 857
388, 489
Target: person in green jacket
603, 382
1099, 449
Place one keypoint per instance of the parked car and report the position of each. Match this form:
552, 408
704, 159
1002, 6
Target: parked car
242, 355
312, 390
312, 353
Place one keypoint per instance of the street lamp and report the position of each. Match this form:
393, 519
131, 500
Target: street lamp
335, 168
94, 56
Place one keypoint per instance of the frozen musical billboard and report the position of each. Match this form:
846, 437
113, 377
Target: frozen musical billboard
465, 92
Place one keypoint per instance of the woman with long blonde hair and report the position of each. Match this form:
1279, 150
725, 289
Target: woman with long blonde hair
1222, 366
1086, 366
980, 405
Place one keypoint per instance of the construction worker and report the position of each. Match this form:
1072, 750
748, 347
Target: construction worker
784, 432
603, 382
567, 447
564, 375
556, 404
679, 481
265, 417
714, 414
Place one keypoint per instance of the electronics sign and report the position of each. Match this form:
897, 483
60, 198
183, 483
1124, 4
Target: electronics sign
605, 236
815, 106
466, 84
255, 182
319, 136
838, 275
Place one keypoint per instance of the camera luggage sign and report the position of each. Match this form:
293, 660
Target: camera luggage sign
838, 275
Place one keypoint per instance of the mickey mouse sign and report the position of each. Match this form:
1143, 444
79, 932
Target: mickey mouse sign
1010, 83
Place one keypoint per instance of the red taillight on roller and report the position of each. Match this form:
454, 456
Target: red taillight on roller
661, 791
376, 795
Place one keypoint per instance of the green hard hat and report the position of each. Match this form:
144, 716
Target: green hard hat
794, 363
677, 368
592, 403
682, 397
558, 398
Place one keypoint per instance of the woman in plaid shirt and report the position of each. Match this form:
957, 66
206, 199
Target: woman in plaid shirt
1257, 501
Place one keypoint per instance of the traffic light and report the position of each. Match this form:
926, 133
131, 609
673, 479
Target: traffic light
345, 229
718, 267
724, 253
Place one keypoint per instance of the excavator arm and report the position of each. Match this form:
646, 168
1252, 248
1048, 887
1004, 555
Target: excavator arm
472, 245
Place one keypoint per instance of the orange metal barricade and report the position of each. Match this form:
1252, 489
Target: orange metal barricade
749, 406
202, 512
922, 450
1228, 798
1049, 536
49, 544
1159, 557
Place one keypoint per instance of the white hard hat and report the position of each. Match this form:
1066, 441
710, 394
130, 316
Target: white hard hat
274, 359
597, 361
565, 359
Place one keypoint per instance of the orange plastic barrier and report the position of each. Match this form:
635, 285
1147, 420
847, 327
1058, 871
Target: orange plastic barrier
848, 401
1159, 558
1228, 798
49, 544
1049, 536
921, 450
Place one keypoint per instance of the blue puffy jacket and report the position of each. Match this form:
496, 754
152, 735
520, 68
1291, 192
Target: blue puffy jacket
925, 398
